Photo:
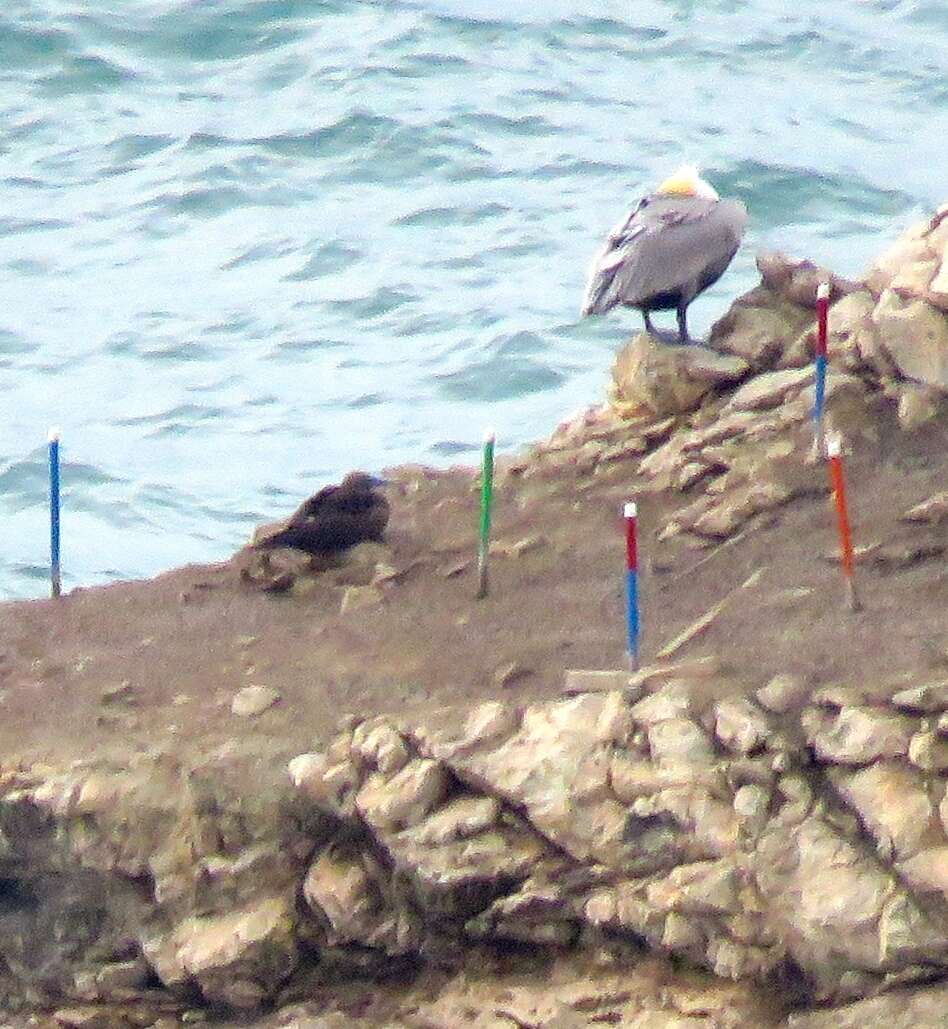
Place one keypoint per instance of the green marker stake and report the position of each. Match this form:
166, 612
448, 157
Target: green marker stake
487, 497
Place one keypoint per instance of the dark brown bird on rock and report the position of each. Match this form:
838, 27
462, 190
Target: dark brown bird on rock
335, 518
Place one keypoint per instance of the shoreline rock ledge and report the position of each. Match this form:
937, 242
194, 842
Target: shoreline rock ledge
806, 847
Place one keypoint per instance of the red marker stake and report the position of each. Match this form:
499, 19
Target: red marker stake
838, 484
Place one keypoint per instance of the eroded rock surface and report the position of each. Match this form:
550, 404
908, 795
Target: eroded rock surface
699, 828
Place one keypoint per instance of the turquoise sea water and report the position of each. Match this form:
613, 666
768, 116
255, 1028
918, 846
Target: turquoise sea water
246, 245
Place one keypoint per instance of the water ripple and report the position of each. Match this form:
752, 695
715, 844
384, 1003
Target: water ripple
85, 74
327, 259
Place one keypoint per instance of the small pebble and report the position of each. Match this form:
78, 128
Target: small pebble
253, 700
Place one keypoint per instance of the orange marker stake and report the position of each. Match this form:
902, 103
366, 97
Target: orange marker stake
838, 484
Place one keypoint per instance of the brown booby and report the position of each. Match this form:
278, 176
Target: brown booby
335, 518
675, 243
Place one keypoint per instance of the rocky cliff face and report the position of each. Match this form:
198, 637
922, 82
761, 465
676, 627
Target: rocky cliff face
769, 838
753, 842
793, 837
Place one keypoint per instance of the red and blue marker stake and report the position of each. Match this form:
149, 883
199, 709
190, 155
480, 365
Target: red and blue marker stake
54, 570
822, 313
632, 582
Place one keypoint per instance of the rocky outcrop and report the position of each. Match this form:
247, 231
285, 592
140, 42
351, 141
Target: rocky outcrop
887, 338
901, 1009
707, 833
149, 883
748, 843
657, 380
893, 325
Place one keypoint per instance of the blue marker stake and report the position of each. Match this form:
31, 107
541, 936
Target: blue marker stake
632, 583
54, 572
822, 310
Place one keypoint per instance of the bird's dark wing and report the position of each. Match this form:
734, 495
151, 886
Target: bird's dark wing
619, 248
663, 247
689, 243
354, 503
311, 507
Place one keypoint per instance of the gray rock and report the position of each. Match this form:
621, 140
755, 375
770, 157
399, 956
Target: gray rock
938, 288
555, 769
253, 700
784, 693
673, 700
651, 378
769, 389
122, 975
404, 799
929, 751
857, 735
915, 335
724, 516
623, 907
827, 895
892, 801
899, 264
851, 336
907, 934
331, 787
838, 384
759, 327
459, 819
927, 871
683, 934
380, 746
920, 1008
702, 888
489, 722
751, 805
458, 880
533, 914
731, 960
679, 741
238, 959
740, 725
796, 797
918, 405
632, 777
340, 889
932, 511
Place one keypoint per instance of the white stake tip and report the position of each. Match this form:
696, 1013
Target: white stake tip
833, 446
490, 436
630, 510
53, 435
823, 291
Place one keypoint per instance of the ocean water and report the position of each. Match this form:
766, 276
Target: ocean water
247, 245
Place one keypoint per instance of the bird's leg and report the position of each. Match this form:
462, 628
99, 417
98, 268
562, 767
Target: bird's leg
661, 335
683, 336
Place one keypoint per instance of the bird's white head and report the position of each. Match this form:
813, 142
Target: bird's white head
686, 182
